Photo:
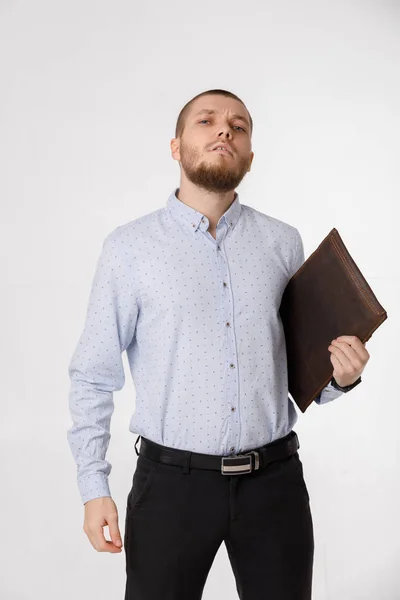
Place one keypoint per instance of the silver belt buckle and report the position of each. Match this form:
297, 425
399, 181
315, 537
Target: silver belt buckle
239, 464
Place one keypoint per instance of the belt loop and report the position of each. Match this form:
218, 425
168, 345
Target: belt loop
135, 445
186, 466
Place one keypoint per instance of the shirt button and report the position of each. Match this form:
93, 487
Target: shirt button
228, 324
232, 449
233, 409
218, 248
232, 366
193, 225
225, 284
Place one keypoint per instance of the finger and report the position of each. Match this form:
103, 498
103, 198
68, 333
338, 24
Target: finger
340, 357
100, 543
96, 537
337, 365
347, 355
356, 344
111, 547
114, 531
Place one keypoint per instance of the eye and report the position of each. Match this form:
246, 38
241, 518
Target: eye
202, 120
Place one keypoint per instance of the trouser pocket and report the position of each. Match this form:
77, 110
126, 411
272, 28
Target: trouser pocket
141, 483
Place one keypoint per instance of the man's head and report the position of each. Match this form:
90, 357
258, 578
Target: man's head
198, 131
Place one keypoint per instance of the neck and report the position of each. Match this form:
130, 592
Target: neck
211, 204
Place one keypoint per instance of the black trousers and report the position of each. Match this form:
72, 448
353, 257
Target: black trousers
176, 521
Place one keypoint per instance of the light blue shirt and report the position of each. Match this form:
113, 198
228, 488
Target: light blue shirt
199, 320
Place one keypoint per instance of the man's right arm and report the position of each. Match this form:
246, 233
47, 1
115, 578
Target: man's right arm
96, 368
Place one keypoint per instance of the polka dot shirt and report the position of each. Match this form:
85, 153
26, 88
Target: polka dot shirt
199, 320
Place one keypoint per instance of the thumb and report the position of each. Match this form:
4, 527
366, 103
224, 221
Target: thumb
114, 531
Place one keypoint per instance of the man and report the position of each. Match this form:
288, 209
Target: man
192, 292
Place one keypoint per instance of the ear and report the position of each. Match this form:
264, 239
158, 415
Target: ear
175, 143
250, 163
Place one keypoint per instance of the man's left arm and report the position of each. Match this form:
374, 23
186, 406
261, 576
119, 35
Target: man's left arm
348, 354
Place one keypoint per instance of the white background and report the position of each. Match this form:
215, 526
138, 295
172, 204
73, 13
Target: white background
90, 93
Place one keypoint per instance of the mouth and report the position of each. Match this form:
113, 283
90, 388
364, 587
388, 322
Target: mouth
222, 151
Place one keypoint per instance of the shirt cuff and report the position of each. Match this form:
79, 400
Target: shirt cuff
328, 394
93, 486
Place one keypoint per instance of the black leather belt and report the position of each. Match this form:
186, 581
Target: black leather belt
234, 464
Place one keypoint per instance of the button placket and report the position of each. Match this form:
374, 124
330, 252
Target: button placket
231, 386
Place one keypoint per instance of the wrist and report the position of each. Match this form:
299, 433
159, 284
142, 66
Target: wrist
345, 388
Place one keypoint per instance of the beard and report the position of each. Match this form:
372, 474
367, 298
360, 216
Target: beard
221, 174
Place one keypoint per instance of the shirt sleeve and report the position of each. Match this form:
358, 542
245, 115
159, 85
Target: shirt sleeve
328, 393
96, 369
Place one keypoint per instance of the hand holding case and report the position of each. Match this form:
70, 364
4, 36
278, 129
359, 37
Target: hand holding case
327, 297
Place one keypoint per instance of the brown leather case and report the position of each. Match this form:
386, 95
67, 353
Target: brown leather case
328, 296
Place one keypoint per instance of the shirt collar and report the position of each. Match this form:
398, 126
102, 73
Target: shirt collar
195, 219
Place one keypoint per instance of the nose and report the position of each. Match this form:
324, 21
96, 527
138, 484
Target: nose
228, 134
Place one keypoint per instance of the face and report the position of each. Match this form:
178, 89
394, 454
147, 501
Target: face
215, 171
